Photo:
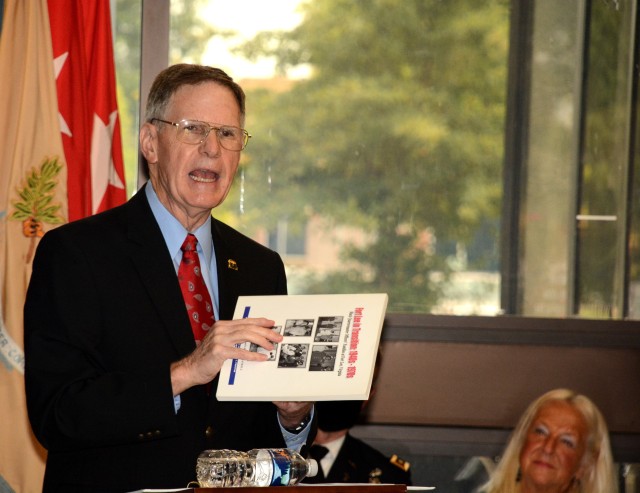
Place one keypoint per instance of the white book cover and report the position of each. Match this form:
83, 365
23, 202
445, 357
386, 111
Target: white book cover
328, 352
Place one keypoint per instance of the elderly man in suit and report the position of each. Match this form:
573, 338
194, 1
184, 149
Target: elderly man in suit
121, 360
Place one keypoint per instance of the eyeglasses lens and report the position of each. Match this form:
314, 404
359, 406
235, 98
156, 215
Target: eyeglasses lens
231, 138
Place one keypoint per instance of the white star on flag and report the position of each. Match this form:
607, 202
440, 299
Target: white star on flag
101, 175
58, 63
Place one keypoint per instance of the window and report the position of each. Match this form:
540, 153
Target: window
400, 139
287, 242
378, 132
576, 256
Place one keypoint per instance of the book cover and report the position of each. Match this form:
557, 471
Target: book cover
328, 352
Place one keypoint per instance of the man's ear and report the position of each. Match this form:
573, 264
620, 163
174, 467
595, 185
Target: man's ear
149, 142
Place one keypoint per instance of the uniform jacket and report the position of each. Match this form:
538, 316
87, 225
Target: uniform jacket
104, 319
358, 462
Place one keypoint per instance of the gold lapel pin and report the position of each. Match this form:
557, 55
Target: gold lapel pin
232, 264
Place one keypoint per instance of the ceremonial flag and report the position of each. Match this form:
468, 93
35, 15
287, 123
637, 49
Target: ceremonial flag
61, 155
33, 198
83, 50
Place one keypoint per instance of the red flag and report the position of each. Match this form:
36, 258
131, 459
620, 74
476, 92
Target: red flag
89, 122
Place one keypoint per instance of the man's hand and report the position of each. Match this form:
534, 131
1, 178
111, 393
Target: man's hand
203, 364
291, 414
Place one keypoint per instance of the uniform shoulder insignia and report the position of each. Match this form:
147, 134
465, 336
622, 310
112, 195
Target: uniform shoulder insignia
400, 463
374, 476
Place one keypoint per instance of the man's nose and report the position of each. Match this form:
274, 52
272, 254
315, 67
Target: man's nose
211, 145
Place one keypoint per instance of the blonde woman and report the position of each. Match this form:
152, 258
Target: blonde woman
560, 445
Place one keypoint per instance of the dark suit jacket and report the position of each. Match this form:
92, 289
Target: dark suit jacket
358, 462
104, 319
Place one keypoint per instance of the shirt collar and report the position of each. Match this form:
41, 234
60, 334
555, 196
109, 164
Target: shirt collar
173, 232
334, 447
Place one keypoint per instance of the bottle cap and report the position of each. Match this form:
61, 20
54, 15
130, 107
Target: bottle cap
313, 468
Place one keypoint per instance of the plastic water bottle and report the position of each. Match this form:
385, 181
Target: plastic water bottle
258, 467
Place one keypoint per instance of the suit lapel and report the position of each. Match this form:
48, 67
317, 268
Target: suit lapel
228, 273
340, 470
157, 273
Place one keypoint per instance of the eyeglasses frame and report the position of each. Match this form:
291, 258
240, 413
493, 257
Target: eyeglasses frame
210, 127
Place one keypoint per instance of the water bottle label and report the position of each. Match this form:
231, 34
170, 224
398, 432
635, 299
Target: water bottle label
273, 467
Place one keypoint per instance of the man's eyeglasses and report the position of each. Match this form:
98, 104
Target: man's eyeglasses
196, 132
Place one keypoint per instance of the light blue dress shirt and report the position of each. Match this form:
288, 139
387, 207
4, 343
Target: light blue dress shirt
174, 234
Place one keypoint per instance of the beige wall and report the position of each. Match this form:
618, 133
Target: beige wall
485, 385
482, 372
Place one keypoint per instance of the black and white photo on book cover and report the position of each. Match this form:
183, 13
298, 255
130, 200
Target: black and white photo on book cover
328, 352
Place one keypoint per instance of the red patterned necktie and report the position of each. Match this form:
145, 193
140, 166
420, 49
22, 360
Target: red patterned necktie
194, 290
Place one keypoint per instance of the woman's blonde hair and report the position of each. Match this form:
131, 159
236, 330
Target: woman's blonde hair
599, 477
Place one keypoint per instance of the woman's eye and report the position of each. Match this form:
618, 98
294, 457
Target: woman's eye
540, 430
569, 442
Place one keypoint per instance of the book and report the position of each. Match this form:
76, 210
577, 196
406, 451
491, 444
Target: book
328, 352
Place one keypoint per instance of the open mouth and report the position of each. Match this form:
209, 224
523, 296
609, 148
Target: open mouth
204, 176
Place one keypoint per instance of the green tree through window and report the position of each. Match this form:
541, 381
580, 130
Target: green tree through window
398, 133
